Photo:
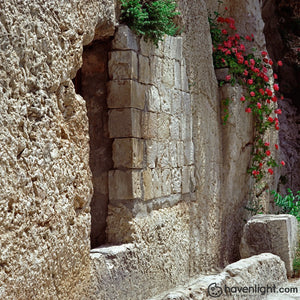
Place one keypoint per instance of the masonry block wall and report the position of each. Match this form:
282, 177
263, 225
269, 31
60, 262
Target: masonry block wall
150, 120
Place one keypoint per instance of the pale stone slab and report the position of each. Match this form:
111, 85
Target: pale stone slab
168, 72
144, 70
264, 270
123, 65
176, 181
163, 125
153, 99
126, 94
149, 125
156, 68
156, 182
149, 49
166, 182
151, 152
276, 234
163, 160
124, 123
124, 184
148, 184
125, 39
128, 153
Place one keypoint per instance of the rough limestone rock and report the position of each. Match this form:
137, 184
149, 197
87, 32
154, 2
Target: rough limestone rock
257, 271
45, 182
276, 234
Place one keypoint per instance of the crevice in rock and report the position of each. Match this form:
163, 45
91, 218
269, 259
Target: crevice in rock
90, 83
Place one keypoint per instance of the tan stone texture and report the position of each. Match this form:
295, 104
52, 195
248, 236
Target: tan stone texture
277, 234
246, 279
157, 262
170, 193
46, 183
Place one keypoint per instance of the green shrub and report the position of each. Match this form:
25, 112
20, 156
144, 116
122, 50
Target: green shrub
290, 204
151, 19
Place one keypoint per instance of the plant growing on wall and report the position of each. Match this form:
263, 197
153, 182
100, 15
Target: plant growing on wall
151, 19
254, 74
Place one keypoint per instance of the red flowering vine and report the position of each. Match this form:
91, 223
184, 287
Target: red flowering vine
253, 73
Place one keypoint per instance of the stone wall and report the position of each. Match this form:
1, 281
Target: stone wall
170, 171
45, 178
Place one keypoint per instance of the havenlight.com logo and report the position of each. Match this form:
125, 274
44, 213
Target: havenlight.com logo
216, 291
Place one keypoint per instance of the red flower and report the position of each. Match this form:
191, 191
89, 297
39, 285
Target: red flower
283, 163
260, 165
264, 53
268, 101
265, 60
228, 77
268, 152
245, 73
226, 8
252, 61
278, 111
270, 119
277, 127
252, 94
242, 47
248, 110
243, 98
267, 144
250, 81
220, 20
266, 78
276, 87
280, 63
262, 91
276, 146
224, 31
258, 105
281, 97
269, 92
248, 38
270, 62
274, 99
270, 171
275, 76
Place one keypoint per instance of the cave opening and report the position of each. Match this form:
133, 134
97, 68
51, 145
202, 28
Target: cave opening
90, 82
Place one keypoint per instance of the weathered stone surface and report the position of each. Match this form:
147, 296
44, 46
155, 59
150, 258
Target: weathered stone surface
124, 184
277, 234
153, 99
46, 184
159, 255
125, 39
149, 125
123, 65
264, 270
144, 69
125, 123
133, 94
128, 153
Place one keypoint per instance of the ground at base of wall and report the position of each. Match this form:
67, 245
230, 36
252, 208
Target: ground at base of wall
244, 279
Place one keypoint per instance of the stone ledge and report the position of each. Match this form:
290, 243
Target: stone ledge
276, 234
264, 270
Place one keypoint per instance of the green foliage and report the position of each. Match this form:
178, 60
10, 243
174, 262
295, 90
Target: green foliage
151, 19
290, 204
225, 103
